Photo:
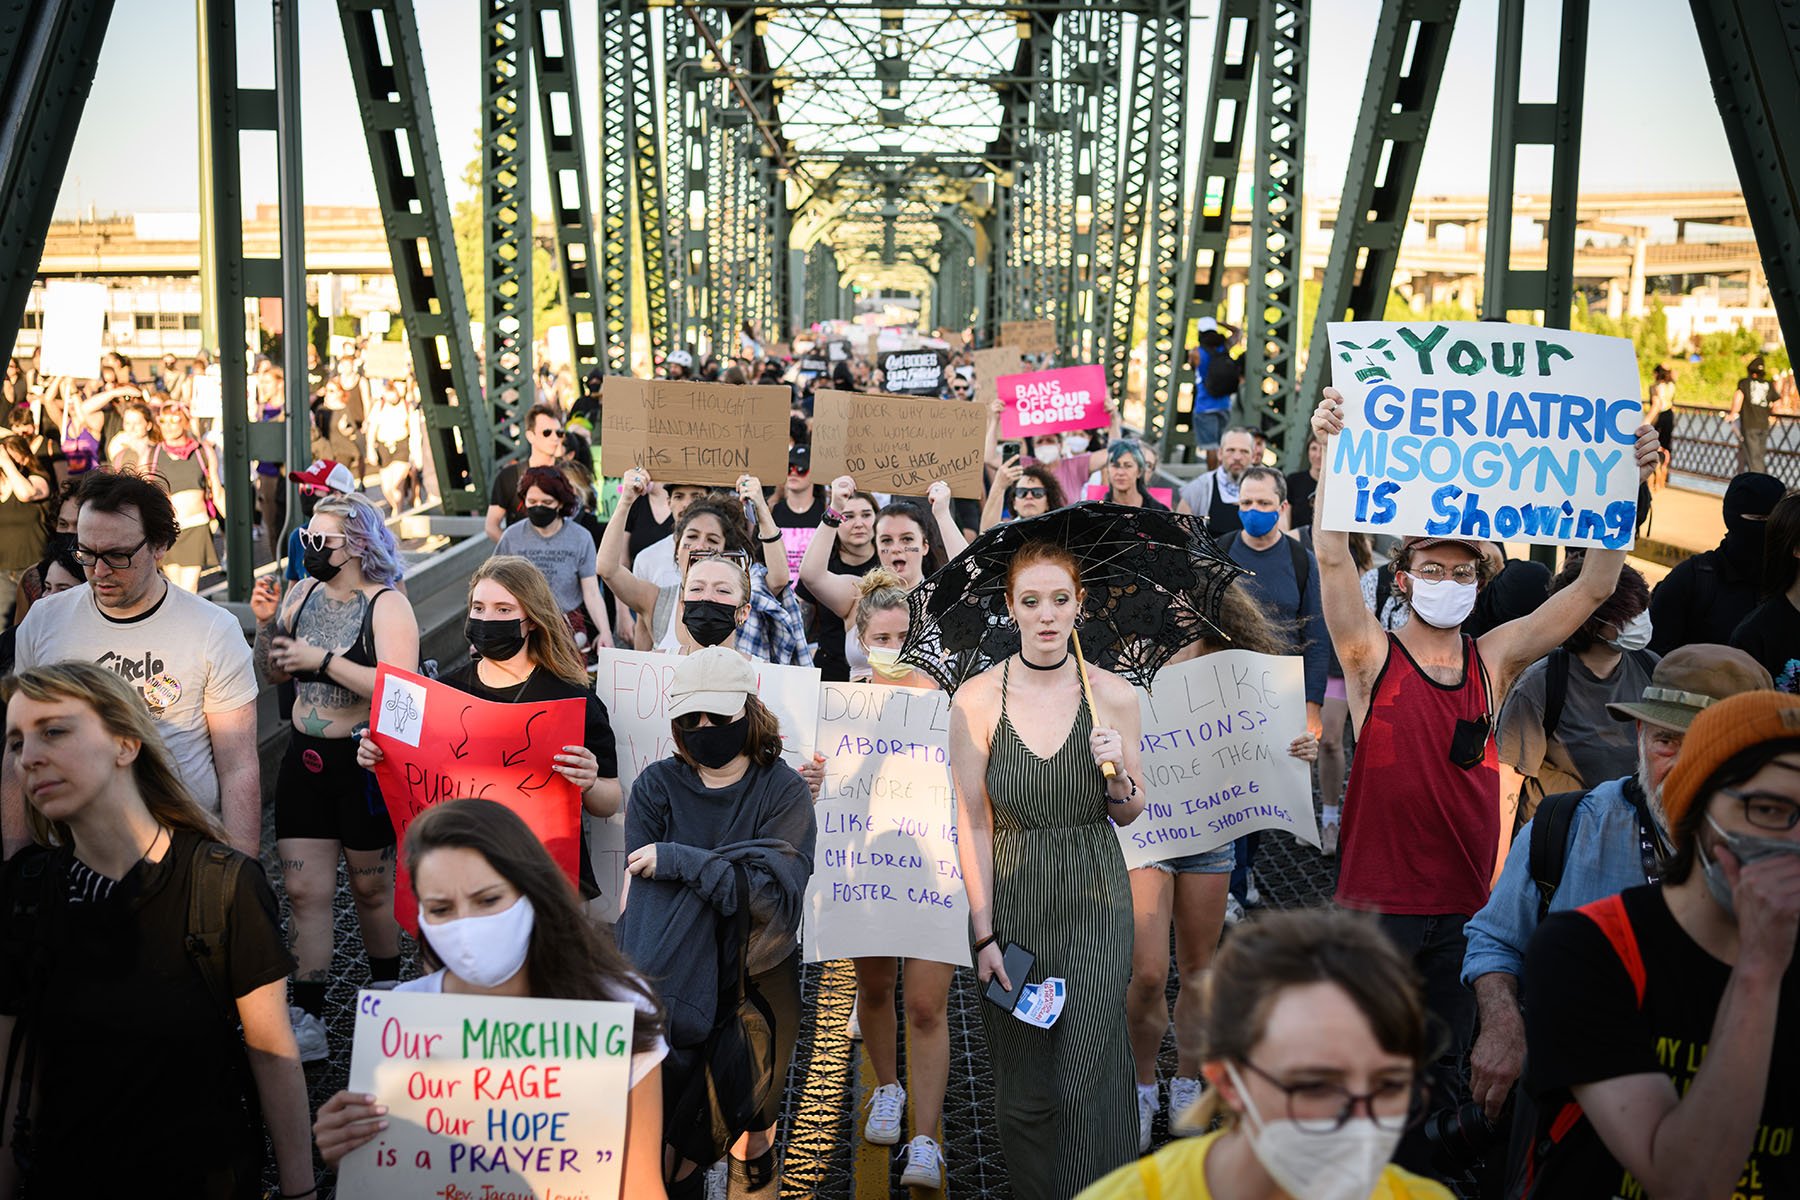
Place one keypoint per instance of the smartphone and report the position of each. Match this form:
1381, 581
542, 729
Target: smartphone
1011, 450
1018, 962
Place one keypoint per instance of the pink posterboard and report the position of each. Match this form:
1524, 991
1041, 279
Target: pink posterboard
1097, 491
1058, 401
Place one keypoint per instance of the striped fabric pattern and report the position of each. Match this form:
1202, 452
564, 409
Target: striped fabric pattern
1066, 1111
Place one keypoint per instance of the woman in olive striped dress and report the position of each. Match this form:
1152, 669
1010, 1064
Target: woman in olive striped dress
1043, 869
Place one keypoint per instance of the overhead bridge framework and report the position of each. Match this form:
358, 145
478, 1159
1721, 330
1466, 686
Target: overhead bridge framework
761, 165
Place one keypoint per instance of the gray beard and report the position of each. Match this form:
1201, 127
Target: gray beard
1652, 796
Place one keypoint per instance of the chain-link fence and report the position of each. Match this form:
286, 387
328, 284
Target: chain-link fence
1708, 445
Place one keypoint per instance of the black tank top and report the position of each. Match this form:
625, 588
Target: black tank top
361, 651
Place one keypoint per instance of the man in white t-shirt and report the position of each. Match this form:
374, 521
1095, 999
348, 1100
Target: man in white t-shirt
185, 655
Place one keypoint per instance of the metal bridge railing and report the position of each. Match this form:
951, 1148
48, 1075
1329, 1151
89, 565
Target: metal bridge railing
1706, 445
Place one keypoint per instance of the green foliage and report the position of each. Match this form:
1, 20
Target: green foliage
546, 280
1706, 383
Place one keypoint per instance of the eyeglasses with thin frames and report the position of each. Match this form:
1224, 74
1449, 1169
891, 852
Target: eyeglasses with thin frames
1436, 572
1321, 1107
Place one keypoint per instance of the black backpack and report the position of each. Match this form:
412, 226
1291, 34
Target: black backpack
730, 1075
1223, 373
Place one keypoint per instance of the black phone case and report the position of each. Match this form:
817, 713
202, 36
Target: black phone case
1018, 962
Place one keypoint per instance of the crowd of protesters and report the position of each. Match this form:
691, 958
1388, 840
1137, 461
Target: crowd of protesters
1563, 808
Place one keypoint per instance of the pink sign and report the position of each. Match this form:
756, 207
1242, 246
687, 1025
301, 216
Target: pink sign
1097, 491
1068, 398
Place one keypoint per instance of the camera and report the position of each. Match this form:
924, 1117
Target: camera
1461, 1137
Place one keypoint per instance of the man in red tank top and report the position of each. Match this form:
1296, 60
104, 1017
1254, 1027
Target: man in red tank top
1421, 833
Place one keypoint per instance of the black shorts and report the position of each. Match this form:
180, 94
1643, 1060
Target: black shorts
320, 792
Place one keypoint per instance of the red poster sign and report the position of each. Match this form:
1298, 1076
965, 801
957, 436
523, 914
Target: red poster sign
442, 744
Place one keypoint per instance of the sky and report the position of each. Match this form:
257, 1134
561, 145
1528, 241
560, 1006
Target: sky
1649, 123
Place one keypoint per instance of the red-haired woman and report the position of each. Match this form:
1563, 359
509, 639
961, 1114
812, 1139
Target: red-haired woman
1043, 870
562, 550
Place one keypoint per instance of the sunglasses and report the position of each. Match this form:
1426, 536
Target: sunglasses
688, 722
1030, 493
795, 469
553, 433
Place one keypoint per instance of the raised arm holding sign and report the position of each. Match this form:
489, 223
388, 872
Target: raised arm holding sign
899, 444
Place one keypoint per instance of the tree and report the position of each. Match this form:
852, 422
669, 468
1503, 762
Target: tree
465, 225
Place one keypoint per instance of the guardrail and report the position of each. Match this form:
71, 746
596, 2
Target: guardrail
1706, 446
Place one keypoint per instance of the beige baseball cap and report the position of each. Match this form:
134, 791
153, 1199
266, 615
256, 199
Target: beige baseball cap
713, 680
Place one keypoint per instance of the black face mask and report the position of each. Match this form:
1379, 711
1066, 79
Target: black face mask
307, 504
715, 745
319, 565
59, 543
498, 640
541, 515
709, 622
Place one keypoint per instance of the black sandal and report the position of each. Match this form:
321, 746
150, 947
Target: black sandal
757, 1173
691, 1188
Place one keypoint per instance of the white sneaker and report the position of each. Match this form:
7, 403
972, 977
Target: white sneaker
853, 1027
1148, 1103
924, 1164
1234, 911
1183, 1095
309, 1034
1328, 840
886, 1104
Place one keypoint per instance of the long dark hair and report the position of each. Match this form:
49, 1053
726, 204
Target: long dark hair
934, 556
1781, 541
570, 958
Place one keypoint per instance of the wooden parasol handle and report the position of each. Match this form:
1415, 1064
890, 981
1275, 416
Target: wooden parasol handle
1087, 689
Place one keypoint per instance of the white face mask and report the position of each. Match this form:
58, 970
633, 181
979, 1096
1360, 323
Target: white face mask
1634, 634
485, 951
1075, 443
1048, 452
1444, 604
1344, 1164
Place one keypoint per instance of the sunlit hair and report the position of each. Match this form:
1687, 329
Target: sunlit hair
20, 449
366, 536
740, 571
1041, 554
1270, 954
551, 482
121, 709
728, 512
113, 490
570, 957
879, 591
1243, 624
550, 644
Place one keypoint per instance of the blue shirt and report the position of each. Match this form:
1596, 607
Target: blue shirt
1205, 401
1275, 589
1604, 858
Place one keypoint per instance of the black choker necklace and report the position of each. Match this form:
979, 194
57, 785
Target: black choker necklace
1055, 666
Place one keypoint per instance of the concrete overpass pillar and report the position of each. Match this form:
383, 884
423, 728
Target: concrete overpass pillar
1615, 299
1639, 246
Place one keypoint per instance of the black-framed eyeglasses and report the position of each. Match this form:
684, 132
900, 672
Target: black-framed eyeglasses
118, 560
320, 541
1766, 810
1030, 493
1320, 1107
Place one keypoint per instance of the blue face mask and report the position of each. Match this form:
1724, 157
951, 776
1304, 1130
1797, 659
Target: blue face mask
1258, 522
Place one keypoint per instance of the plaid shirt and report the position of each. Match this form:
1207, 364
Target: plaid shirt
776, 628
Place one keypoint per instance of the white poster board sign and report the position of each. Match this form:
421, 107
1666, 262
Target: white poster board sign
634, 686
886, 880
1484, 430
74, 324
490, 1096
1215, 755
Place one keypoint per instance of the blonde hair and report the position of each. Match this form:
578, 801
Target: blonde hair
550, 643
123, 713
879, 591
741, 569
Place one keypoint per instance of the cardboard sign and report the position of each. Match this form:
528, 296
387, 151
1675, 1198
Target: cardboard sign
990, 365
1060, 401
440, 744
74, 324
1483, 430
1029, 337
886, 880
686, 432
914, 372
1216, 766
1098, 491
490, 1096
899, 444
387, 360
634, 686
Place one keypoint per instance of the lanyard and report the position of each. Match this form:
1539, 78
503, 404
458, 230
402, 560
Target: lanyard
1650, 847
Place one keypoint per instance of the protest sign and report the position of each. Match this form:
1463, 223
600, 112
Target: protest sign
1483, 430
438, 744
1214, 749
634, 686
490, 1096
1165, 496
990, 365
686, 432
1029, 337
1060, 401
387, 360
74, 323
899, 444
886, 880
914, 372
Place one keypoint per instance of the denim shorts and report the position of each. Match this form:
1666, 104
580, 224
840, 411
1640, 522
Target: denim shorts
1217, 861
1209, 427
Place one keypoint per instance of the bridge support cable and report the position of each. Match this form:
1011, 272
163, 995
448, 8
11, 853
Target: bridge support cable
47, 66
387, 68
1406, 67
571, 204
1752, 50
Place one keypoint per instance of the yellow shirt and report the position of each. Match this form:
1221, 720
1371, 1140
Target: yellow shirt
1178, 1172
